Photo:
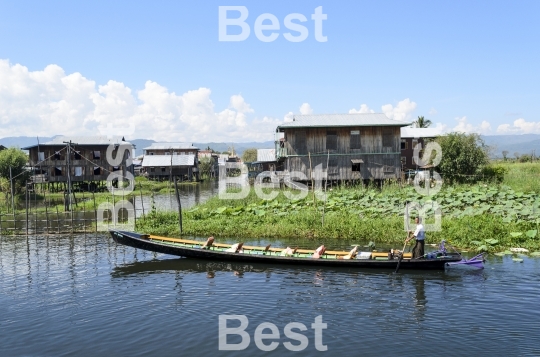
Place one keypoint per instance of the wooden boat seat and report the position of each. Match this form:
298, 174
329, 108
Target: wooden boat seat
385, 255
328, 253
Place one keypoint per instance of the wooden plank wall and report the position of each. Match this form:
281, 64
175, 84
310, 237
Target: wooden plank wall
379, 162
87, 166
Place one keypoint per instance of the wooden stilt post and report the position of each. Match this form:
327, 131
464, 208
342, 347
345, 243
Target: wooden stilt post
312, 184
26, 201
142, 203
57, 221
179, 204
46, 212
84, 215
12, 194
95, 210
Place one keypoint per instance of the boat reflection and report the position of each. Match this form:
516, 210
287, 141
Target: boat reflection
157, 266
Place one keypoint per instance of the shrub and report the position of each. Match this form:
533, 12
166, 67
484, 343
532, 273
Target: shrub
494, 173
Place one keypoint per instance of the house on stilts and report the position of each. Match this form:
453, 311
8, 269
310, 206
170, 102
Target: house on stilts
348, 147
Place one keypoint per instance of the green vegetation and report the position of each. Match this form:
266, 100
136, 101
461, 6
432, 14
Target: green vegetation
12, 159
249, 155
206, 165
83, 200
421, 122
473, 216
465, 155
522, 177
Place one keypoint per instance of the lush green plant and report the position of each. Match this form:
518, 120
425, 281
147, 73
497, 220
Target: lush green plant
16, 160
205, 166
494, 173
478, 216
525, 158
249, 155
463, 157
421, 122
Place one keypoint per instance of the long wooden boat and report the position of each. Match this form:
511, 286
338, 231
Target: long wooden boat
217, 251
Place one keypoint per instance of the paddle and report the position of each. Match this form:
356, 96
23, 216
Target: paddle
404, 245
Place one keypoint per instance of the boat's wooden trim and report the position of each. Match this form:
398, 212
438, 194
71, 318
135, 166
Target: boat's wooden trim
191, 249
335, 253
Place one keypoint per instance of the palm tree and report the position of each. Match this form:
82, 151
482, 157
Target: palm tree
421, 122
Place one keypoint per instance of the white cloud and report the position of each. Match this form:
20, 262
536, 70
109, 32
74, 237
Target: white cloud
288, 117
363, 109
305, 108
520, 126
402, 111
464, 126
239, 104
49, 102
433, 111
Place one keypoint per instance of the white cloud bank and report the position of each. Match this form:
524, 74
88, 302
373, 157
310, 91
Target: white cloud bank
402, 111
520, 126
464, 126
306, 109
49, 102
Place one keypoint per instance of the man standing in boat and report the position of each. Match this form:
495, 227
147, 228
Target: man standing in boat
419, 234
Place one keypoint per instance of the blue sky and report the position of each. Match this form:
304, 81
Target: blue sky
466, 65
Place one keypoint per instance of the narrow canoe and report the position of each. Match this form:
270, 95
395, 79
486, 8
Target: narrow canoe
192, 249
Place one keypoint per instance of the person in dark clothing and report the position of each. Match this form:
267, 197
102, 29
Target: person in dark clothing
419, 234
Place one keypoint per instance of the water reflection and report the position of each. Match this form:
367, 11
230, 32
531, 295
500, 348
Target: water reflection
70, 295
420, 298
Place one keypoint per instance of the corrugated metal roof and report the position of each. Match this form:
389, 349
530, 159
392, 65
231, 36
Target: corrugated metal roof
165, 146
329, 120
266, 155
165, 160
82, 140
407, 132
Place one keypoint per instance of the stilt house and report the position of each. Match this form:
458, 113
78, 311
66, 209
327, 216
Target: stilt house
346, 146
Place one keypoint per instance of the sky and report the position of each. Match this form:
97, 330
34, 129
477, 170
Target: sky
159, 69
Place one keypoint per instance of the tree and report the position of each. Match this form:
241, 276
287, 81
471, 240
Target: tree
505, 154
421, 122
16, 159
463, 157
206, 165
249, 155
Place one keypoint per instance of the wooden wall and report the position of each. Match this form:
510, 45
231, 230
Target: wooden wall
379, 161
86, 163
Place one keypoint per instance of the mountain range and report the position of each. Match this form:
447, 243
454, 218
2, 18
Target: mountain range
513, 144
140, 144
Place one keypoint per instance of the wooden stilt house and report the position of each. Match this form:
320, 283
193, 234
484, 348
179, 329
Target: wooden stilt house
346, 146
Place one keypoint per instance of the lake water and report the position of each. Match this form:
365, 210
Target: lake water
84, 295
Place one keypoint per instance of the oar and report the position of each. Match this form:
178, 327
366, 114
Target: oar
404, 245
402, 253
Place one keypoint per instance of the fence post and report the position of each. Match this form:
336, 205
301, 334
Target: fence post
142, 203
46, 211
26, 199
179, 204
57, 221
95, 210
84, 214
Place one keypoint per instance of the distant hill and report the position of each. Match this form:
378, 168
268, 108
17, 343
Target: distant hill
239, 148
520, 144
22, 141
514, 144
140, 144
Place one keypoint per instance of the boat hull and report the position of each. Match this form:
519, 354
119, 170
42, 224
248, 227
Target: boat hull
139, 241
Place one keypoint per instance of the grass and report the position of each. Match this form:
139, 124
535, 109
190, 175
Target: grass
85, 200
522, 177
474, 216
486, 216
